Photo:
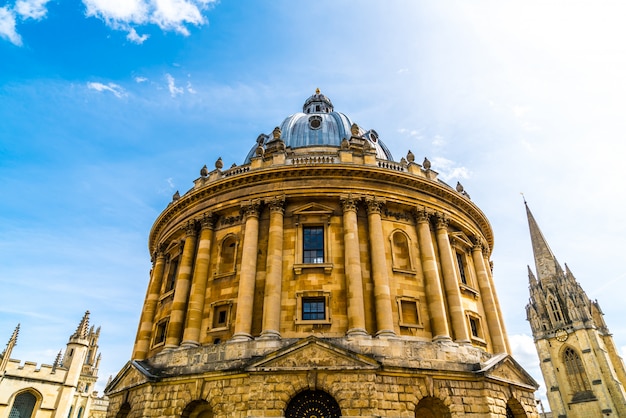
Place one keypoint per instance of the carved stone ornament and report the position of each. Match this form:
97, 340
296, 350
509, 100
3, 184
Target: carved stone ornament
410, 157
276, 204
354, 129
276, 133
374, 205
442, 221
251, 208
219, 164
349, 203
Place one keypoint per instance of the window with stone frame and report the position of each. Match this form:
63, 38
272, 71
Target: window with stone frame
460, 260
313, 307
409, 312
313, 244
475, 326
555, 309
160, 332
220, 315
172, 271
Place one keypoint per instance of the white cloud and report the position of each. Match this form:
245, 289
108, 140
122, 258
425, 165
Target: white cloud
171, 85
7, 26
140, 79
117, 90
167, 14
134, 37
190, 88
31, 9
448, 169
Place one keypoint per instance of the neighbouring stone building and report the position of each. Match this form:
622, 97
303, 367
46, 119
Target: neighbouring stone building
321, 278
581, 367
63, 389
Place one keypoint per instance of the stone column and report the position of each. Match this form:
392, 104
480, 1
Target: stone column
354, 275
191, 336
492, 314
451, 282
181, 290
274, 277
247, 276
144, 333
434, 294
382, 295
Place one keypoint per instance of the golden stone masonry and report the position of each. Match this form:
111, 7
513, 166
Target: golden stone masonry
321, 278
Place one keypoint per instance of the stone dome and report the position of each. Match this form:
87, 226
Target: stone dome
318, 125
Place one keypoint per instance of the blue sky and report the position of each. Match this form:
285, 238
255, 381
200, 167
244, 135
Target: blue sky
109, 107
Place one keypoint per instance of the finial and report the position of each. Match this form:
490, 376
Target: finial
410, 156
219, 163
426, 164
176, 196
83, 327
276, 133
204, 171
523, 198
317, 90
354, 129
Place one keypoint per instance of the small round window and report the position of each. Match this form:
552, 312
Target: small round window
315, 122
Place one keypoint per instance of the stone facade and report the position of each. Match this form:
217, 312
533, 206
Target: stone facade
63, 389
584, 374
321, 278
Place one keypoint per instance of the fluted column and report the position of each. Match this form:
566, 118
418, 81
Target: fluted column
247, 276
434, 294
144, 333
451, 282
274, 276
382, 294
354, 275
191, 336
181, 291
492, 314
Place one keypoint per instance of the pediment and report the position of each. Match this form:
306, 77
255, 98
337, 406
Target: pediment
313, 209
505, 369
461, 238
313, 353
132, 374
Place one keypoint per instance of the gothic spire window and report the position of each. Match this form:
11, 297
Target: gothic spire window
555, 309
575, 371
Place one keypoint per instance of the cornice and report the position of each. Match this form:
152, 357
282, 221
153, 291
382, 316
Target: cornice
404, 181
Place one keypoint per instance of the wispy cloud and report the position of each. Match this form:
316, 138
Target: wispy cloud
117, 90
21, 10
449, 169
171, 85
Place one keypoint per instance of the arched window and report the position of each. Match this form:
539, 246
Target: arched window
23, 405
431, 407
228, 251
401, 256
575, 371
80, 413
555, 309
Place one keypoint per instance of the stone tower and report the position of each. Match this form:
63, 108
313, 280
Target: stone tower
583, 372
63, 389
321, 278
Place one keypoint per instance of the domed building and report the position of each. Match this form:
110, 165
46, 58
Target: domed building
321, 278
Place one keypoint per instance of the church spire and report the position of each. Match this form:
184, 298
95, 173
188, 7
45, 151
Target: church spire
545, 262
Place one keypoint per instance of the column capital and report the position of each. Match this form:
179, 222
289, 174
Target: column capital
190, 228
250, 208
442, 220
159, 253
374, 204
276, 203
349, 202
421, 215
208, 220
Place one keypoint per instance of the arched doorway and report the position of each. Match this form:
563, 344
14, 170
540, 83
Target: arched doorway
514, 409
431, 407
197, 409
313, 404
124, 411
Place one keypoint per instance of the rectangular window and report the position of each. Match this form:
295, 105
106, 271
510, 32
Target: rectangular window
474, 327
159, 335
459, 260
313, 308
220, 316
313, 245
171, 275
409, 312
